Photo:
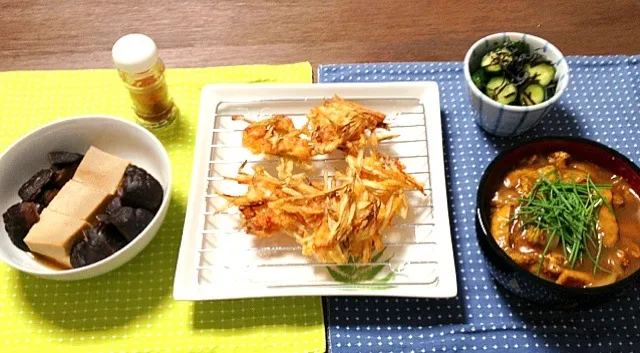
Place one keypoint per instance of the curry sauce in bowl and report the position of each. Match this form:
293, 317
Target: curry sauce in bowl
568, 221
559, 220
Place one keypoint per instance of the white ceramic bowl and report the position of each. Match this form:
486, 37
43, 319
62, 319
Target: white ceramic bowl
113, 135
507, 120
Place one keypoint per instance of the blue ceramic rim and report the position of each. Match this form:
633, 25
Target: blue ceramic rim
482, 216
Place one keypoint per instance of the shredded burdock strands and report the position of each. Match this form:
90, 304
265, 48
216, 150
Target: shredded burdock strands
342, 216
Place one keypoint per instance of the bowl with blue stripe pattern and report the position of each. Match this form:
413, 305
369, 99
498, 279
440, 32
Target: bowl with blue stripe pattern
510, 120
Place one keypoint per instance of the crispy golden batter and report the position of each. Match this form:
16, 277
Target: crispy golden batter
275, 136
336, 124
341, 217
258, 205
339, 124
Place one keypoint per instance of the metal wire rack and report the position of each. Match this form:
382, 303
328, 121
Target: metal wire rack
218, 260
408, 243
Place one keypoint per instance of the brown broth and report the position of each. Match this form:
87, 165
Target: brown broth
49, 263
622, 259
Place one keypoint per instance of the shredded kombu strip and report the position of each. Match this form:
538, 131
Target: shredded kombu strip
515, 70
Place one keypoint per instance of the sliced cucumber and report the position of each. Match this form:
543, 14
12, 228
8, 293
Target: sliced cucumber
533, 94
479, 78
501, 90
542, 73
494, 60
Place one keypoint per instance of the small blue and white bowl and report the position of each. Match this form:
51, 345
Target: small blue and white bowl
508, 120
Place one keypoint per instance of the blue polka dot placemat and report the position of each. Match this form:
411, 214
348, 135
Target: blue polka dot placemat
603, 104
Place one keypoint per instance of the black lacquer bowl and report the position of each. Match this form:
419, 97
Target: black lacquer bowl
504, 270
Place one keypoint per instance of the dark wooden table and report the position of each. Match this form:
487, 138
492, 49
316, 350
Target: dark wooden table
79, 34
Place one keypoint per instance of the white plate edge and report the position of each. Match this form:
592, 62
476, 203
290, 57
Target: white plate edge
439, 196
182, 287
185, 290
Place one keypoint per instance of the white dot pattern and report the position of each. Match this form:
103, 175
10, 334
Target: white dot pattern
602, 103
131, 309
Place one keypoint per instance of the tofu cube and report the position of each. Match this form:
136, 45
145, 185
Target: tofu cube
101, 170
80, 201
54, 236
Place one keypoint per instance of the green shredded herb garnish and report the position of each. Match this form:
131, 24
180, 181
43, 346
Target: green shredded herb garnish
569, 211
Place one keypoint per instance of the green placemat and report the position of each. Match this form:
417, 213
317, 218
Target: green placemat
132, 309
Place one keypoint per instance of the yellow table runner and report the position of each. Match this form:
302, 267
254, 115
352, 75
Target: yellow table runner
132, 309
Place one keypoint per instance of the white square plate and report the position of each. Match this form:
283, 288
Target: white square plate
219, 261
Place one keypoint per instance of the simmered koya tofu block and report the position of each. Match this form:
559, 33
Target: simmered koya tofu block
101, 170
80, 201
54, 236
